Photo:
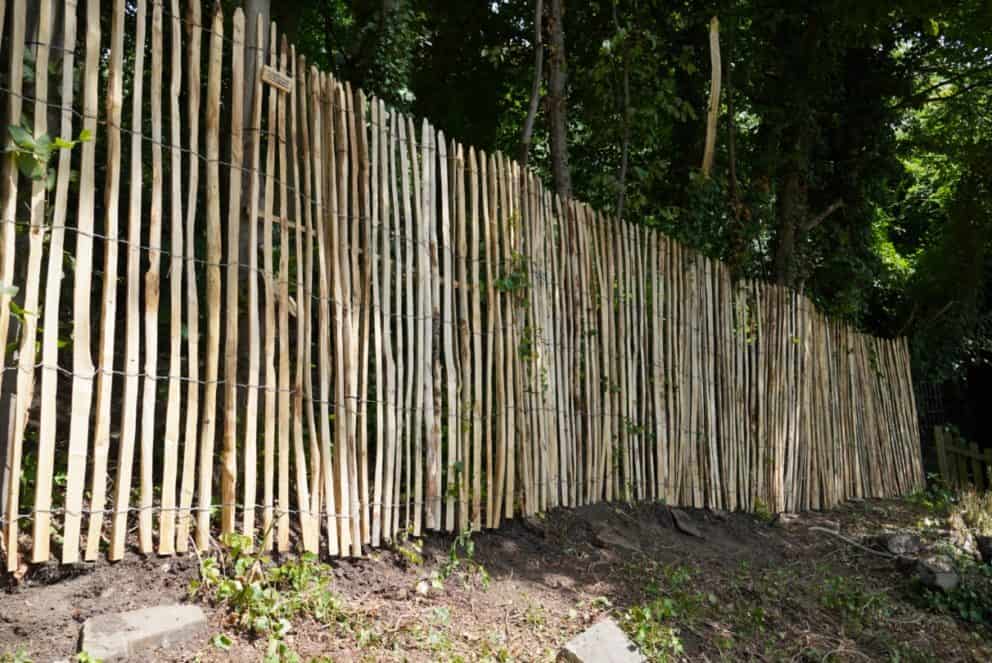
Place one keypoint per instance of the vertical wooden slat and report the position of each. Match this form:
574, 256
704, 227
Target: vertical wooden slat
108, 313
211, 361
447, 322
301, 389
499, 407
393, 324
490, 404
387, 192
282, 528
82, 359
192, 414
229, 454
468, 423
269, 415
53, 294
512, 258
152, 278
474, 285
429, 356
355, 362
254, 341
122, 486
336, 134
306, 364
412, 398
375, 233
321, 126
418, 241
170, 446
361, 269
8, 220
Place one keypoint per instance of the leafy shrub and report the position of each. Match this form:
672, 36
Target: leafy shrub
266, 598
971, 600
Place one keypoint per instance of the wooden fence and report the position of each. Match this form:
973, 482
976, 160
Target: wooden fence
366, 328
961, 463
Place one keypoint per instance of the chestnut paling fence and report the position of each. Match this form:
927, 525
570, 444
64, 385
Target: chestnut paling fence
251, 299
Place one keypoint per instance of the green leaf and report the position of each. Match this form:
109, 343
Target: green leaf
25, 163
21, 137
43, 147
63, 144
85, 136
222, 641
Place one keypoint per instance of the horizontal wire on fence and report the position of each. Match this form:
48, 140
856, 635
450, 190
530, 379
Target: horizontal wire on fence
525, 408
220, 381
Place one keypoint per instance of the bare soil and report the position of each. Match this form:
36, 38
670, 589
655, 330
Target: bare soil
755, 591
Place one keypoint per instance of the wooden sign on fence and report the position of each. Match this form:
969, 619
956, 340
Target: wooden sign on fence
277, 79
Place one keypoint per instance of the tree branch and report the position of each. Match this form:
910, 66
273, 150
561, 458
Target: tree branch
818, 219
923, 96
535, 92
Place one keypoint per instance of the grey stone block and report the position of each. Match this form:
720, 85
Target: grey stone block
937, 572
119, 636
602, 642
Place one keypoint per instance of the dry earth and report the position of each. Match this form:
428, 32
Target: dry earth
744, 590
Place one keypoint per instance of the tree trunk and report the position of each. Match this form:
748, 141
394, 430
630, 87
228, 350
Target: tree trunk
535, 92
557, 114
714, 108
625, 139
791, 208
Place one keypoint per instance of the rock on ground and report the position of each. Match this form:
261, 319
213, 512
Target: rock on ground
127, 634
937, 572
899, 543
602, 642
785, 519
605, 536
684, 523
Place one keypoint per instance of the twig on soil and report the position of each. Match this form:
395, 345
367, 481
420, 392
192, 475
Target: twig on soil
853, 542
196, 551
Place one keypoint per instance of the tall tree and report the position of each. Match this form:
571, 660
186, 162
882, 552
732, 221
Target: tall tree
557, 102
535, 93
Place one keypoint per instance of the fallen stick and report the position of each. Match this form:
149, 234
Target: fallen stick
852, 542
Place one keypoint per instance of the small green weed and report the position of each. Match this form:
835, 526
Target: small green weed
646, 625
936, 497
672, 599
461, 555
16, 656
762, 511
857, 605
266, 598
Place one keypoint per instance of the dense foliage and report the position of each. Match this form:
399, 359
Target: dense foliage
852, 154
